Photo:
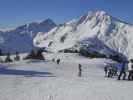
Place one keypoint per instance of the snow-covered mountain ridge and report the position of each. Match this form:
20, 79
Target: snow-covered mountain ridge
21, 38
115, 34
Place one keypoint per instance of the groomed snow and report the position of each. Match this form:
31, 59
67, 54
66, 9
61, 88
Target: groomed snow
38, 80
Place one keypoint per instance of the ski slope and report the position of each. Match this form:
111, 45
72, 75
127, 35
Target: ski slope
39, 80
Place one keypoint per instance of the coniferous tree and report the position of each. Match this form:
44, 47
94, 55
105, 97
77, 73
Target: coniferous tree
8, 58
0, 52
35, 55
39, 55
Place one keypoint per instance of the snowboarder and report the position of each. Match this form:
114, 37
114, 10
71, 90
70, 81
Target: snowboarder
80, 70
130, 70
122, 71
58, 61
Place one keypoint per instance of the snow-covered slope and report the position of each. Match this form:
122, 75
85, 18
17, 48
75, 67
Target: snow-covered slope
20, 39
115, 34
45, 80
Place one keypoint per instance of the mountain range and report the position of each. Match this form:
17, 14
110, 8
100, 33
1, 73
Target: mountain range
20, 39
113, 33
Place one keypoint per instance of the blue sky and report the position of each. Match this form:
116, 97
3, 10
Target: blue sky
17, 12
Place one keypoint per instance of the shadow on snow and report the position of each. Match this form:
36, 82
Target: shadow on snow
4, 71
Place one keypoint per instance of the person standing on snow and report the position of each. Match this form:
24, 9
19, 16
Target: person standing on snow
130, 70
122, 71
106, 70
80, 70
58, 61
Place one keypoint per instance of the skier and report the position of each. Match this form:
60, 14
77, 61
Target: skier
17, 58
106, 70
115, 70
110, 71
130, 70
80, 70
122, 71
58, 61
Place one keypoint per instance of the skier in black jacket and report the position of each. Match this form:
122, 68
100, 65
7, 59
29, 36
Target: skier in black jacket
80, 70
